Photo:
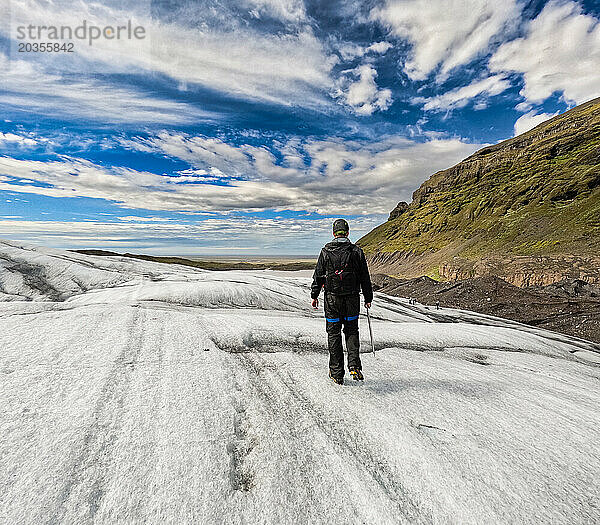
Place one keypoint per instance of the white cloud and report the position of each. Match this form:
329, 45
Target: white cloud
523, 106
26, 85
213, 235
284, 68
219, 156
285, 10
17, 139
134, 189
379, 47
460, 97
530, 120
350, 50
343, 177
446, 33
362, 94
560, 52
135, 218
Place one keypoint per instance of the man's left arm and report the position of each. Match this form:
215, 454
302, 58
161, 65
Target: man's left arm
365, 279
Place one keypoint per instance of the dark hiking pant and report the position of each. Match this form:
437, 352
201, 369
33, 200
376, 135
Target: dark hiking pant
342, 310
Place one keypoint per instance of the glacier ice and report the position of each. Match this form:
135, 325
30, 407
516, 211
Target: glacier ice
138, 392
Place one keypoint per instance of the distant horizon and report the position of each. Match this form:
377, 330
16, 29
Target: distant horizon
255, 256
307, 256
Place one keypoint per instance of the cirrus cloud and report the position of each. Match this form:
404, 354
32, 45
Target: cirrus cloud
445, 33
460, 97
288, 67
560, 52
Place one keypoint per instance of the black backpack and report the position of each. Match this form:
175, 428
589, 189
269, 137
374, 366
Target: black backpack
340, 274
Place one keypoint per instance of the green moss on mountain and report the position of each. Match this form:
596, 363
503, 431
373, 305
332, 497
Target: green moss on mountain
537, 194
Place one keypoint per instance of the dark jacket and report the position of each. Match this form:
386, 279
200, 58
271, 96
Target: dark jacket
356, 262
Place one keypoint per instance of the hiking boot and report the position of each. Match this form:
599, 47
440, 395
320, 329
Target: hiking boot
337, 381
357, 374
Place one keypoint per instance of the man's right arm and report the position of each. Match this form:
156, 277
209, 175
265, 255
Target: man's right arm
318, 277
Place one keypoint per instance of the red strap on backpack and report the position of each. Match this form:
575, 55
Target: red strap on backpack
340, 272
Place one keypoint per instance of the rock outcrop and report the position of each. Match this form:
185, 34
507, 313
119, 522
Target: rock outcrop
525, 271
400, 208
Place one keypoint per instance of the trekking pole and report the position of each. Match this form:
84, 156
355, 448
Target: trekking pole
370, 331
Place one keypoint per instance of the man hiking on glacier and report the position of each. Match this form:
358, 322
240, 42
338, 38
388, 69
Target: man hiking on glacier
342, 270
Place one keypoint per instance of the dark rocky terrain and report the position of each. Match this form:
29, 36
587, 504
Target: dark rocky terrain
571, 306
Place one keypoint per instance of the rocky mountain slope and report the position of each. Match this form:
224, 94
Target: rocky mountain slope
526, 210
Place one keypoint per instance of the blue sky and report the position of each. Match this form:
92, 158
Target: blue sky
245, 127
